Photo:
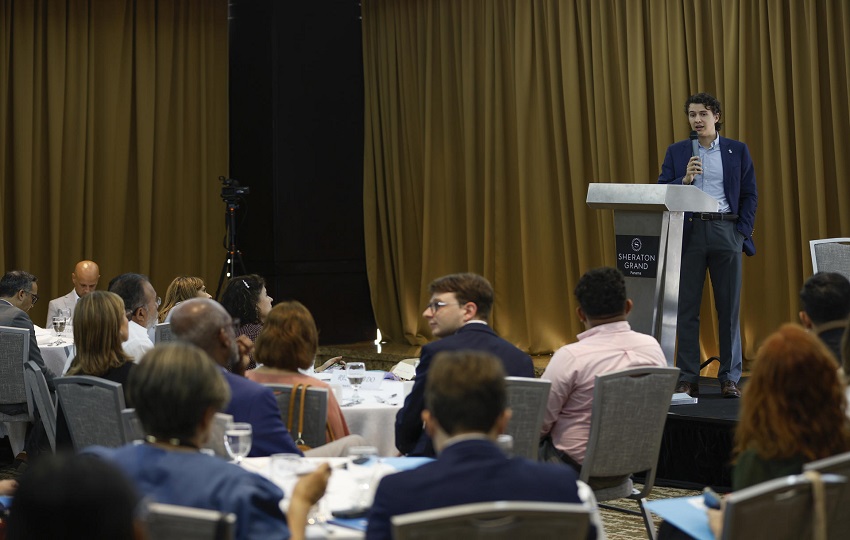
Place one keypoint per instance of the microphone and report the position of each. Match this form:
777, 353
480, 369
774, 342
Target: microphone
694, 144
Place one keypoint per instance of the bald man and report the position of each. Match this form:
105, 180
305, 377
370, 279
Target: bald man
84, 277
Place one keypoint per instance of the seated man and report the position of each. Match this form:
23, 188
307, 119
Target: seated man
18, 294
466, 409
608, 344
176, 391
457, 314
140, 302
825, 302
85, 276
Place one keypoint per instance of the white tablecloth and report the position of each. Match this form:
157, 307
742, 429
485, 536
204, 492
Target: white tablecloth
373, 420
55, 355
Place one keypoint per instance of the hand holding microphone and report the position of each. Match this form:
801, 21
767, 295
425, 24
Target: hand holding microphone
694, 164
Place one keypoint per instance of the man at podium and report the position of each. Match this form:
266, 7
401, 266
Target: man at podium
713, 241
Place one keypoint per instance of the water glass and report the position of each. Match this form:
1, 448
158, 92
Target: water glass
237, 440
362, 468
356, 372
58, 326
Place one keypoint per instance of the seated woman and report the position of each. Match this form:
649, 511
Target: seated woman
288, 342
177, 390
245, 298
792, 411
100, 327
181, 288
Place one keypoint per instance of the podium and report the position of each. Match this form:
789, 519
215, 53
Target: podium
649, 221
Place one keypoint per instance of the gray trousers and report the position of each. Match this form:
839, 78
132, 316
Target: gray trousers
714, 246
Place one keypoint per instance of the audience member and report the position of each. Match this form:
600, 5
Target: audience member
825, 303
608, 344
176, 391
457, 313
18, 294
246, 300
793, 409
85, 276
66, 497
466, 409
100, 329
182, 288
845, 365
288, 342
140, 304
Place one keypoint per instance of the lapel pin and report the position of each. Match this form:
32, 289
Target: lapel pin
730, 150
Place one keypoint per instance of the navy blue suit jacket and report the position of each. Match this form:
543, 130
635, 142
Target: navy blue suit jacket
254, 403
468, 472
410, 437
739, 183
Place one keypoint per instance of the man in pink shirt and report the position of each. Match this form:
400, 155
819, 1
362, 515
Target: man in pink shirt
608, 344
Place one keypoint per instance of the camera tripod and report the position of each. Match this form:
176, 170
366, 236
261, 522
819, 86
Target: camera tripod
233, 259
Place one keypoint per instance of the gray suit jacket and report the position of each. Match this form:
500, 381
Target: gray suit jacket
69, 301
16, 318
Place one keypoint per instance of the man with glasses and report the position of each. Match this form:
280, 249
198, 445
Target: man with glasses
140, 303
457, 313
19, 293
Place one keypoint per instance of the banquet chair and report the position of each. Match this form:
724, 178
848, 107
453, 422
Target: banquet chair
498, 520
162, 333
92, 408
173, 522
831, 255
839, 465
782, 508
40, 395
14, 352
314, 430
627, 421
527, 400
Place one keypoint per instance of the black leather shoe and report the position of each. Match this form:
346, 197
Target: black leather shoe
690, 388
730, 390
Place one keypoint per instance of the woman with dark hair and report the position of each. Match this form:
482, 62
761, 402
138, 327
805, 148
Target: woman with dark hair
288, 342
792, 411
182, 288
245, 298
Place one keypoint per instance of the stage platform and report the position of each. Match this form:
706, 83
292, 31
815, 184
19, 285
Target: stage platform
698, 439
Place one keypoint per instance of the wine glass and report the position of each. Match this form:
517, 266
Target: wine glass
58, 327
66, 312
237, 440
362, 461
356, 372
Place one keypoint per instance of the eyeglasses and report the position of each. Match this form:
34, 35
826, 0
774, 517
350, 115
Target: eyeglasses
435, 306
32, 295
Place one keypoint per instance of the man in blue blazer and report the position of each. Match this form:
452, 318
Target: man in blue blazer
466, 410
457, 314
713, 241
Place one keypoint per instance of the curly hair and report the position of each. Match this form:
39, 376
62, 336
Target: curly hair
601, 292
289, 338
97, 334
241, 296
711, 103
182, 288
793, 404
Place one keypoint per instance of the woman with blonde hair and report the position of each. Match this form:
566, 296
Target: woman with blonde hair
792, 410
287, 343
182, 288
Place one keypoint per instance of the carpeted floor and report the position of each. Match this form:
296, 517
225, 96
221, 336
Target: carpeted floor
622, 526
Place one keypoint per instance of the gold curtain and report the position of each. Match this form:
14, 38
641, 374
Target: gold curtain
113, 120
487, 119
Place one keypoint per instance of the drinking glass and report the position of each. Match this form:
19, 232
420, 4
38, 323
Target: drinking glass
65, 312
58, 327
363, 470
356, 372
237, 440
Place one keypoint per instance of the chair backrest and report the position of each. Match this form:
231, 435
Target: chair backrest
92, 408
162, 333
14, 352
839, 465
627, 421
527, 399
314, 430
216, 440
172, 522
781, 508
133, 430
831, 255
495, 521
41, 398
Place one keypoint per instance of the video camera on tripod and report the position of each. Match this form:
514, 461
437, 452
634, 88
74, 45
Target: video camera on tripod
232, 193
230, 189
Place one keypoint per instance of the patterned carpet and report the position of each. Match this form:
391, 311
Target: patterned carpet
622, 526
